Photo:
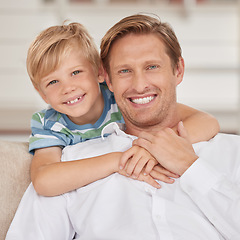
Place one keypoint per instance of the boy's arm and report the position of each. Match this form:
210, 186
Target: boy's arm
52, 177
201, 126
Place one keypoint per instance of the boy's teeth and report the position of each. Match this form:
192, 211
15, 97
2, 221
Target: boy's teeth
73, 101
142, 100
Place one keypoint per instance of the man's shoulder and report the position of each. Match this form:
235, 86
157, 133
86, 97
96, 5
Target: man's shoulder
225, 138
221, 145
221, 153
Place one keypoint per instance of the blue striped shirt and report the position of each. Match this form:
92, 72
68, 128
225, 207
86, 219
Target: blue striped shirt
51, 128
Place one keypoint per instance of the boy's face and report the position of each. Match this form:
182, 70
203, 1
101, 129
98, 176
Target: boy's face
142, 80
73, 89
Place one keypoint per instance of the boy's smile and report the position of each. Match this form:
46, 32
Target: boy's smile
75, 100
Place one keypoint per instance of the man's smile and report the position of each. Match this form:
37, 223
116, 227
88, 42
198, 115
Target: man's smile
142, 100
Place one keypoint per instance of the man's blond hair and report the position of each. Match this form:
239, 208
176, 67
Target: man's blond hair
52, 45
141, 24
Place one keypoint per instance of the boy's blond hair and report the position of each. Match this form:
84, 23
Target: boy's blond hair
52, 45
141, 24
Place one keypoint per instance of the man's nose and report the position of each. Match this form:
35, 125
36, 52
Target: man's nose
139, 82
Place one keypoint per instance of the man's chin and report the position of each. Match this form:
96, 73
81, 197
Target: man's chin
145, 122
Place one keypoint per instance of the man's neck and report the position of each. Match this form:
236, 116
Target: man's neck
170, 122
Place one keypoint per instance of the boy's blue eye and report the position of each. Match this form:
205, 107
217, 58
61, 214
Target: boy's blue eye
75, 72
52, 82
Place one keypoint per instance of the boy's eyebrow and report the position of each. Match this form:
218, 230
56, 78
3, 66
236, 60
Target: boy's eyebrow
77, 66
46, 78
51, 75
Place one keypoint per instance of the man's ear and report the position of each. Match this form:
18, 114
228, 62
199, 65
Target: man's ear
108, 81
179, 72
43, 96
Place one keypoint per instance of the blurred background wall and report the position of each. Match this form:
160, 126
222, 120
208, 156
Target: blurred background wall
208, 31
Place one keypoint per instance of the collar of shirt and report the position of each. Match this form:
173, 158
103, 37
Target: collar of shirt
117, 128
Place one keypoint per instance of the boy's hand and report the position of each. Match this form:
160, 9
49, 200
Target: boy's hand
157, 173
162, 174
136, 160
145, 178
138, 163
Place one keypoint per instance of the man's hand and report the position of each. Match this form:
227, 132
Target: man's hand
174, 152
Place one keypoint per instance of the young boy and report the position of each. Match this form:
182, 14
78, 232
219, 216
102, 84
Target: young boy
65, 68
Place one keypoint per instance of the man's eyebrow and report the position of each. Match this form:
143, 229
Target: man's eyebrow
119, 66
153, 61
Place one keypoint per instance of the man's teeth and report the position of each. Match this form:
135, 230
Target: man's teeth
73, 101
142, 100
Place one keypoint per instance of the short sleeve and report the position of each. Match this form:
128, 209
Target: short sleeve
43, 134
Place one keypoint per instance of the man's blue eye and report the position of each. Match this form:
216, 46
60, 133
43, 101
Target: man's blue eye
124, 71
152, 67
76, 72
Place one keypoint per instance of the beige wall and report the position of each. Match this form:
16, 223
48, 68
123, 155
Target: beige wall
209, 35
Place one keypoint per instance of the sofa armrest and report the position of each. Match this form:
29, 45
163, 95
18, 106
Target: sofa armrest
14, 179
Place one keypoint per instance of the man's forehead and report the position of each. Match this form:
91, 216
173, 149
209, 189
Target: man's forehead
132, 48
149, 40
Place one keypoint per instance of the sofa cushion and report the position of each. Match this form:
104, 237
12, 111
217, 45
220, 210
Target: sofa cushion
14, 179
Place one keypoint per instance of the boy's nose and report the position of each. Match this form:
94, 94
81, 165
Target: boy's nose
68, 88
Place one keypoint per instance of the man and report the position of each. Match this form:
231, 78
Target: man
143, 60
139, 72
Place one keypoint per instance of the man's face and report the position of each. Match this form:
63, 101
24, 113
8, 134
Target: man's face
142, 79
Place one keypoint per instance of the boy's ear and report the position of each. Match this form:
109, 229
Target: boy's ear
108, 81
43, 96
180, 71
101, 75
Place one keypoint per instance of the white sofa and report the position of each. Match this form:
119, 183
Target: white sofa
14, 179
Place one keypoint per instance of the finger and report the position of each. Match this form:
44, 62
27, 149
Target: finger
125, 157
124, 171
150, 180
161, 177
149, 167
182, 131
139, 166
158, 168
132, 163
135, 160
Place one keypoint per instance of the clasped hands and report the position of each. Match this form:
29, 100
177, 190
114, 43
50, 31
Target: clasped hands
163, 155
